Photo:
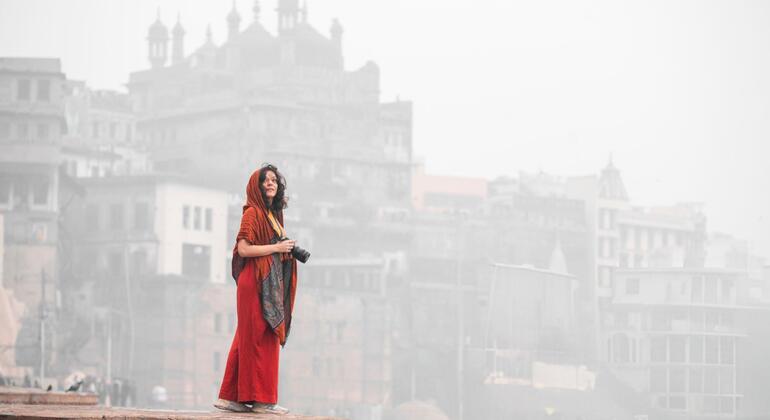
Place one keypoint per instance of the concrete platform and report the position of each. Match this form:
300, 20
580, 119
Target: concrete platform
17, 395
34, 412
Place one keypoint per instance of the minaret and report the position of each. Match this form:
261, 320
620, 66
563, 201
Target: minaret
256, 9
336, 32
288, 13
157, 43
209, 35
233, 23
177, 45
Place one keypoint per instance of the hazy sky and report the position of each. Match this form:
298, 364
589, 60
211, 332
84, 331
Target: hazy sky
678, 92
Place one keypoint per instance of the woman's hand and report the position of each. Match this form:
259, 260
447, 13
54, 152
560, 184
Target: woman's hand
285, 246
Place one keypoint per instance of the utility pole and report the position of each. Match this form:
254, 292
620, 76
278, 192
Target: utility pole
42, 326
460, 322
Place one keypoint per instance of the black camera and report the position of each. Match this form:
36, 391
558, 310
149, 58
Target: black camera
300, 254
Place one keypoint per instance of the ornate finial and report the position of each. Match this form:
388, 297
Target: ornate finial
178, 30
256, 10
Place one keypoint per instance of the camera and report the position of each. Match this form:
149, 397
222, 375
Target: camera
300, 254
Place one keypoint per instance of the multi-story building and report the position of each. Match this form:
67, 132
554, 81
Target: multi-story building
101, 134
146, 251
676, 334
31, 125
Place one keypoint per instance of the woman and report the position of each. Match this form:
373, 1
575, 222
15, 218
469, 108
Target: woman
266, 276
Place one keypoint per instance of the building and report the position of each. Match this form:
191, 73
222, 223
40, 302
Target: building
678, 335
101, 134
31, 125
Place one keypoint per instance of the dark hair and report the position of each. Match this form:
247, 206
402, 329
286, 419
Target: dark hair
279, 201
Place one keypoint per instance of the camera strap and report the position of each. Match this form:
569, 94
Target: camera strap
276, 226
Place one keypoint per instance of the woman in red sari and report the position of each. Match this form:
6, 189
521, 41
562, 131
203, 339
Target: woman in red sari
266, 275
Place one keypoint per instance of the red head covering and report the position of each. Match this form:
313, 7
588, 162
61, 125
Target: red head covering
255, 227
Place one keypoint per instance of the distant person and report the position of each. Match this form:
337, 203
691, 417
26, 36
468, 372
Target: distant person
266, 275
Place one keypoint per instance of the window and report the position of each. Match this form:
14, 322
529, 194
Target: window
676, 349
726, 351
696, 349
677, 403
726, 380
658, 379
632, 286
42, 131
116, 216
5, 130
22, 131
113, 130
710, 404
92, 217
186, 217
712, 350
5, 190
676, 380
711, 380
217, 322
40, 192
727, 290
141, 217
711, 290
727, 405
43, 90
95, 129
696, 289
217, 361
197, 218
115, 261
209, 219
696, 380
23, 90
230, 322
658, 349
196, 261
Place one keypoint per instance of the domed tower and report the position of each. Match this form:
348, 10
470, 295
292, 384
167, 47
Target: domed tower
336, 34
157, 43
288, 14
233, 23
177, 46
256, 9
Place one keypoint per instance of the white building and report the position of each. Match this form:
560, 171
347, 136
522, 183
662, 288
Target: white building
153, 224
676, 335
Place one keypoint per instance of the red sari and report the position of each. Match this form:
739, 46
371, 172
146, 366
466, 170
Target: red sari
252, 365
265, 300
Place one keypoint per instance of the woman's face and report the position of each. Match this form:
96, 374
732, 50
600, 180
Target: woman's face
270, 185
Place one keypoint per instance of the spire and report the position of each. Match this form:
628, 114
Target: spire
177, 46
303, 12
336, 31
288, 13
209, 36
256, 9
611, 184
233, 23
557, 262
157, 42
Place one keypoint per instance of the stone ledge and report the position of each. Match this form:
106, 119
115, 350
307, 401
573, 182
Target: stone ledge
15, 395
34, 412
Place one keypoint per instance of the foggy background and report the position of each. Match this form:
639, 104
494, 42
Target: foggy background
674, 90
586, 109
